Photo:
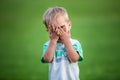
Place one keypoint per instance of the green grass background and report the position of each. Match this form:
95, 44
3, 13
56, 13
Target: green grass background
95, 23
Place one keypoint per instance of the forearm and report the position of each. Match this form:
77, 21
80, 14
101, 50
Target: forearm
50, 51
72, 54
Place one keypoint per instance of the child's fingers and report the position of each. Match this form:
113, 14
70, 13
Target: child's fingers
61, 30
53, 28
49, 29
57, 31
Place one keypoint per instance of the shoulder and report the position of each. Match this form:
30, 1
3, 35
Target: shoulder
74, 41
46, 43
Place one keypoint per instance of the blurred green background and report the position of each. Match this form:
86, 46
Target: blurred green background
95, 23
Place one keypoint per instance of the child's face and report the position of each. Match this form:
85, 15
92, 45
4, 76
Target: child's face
60, 21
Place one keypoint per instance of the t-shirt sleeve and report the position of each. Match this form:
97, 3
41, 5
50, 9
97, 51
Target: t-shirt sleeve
44, 49
78, 48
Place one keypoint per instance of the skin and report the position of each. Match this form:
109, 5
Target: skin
59, 30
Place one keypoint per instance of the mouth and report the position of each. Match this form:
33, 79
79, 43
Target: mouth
59, 40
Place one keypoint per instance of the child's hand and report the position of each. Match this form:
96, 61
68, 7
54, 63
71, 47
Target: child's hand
52, 33
63, 34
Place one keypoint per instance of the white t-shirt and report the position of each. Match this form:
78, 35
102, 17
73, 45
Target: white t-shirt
61, 68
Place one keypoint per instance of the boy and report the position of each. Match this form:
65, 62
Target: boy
61, 52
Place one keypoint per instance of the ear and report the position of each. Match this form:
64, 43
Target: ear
69, 24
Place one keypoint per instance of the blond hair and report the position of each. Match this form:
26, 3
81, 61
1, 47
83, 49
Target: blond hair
51, 14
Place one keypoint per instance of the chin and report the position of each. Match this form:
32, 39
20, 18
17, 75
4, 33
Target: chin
59, 40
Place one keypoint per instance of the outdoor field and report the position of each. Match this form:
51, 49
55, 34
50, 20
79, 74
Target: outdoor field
95, 23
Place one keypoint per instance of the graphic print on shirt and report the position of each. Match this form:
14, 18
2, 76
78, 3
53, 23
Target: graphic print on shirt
60, 54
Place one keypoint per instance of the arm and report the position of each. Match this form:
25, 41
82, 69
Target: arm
48, 57
72, 54
49, 54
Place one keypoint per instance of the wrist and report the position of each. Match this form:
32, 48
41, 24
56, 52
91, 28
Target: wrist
65, 37
66, 40
53, 41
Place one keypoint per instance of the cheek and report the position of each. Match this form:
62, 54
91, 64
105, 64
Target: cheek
66, 29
